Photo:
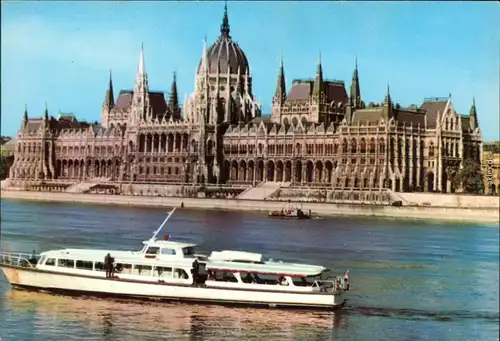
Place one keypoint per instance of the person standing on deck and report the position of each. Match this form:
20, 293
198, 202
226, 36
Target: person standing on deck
195, 271
108, 265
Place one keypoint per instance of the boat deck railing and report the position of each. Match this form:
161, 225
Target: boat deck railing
335, 286
19, 259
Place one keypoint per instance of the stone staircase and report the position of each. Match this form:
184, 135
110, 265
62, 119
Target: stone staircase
398, 197
261, 191
84, 186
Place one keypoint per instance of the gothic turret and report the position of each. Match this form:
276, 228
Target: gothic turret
473, 115
387, 112
109, 99
355, 91
280, 94
224, 27
140, 102
24, 122
173, 100
108, 104
46, 113
318, 81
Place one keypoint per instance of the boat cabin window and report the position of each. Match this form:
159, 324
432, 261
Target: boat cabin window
180, 273
84, 265
301, 281
144, 270
66, 263
188, 251
41, 260
248, 277
165, 251
99, 266
153, 250
161, 271
123, 268
50, 262
225, 277
266, 279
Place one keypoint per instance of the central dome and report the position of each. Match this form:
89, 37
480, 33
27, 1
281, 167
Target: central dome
225, 53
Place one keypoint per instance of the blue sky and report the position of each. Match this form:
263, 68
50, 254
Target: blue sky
60, 53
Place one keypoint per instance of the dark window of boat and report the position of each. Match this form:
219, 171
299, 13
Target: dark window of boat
167, 252
188, 251
301, 281
180, 273
99, 266
50, 262
123, 268
41, 260
225, 277
266, 279
144, 270
66, 263
162, 271
153, 250
84, 265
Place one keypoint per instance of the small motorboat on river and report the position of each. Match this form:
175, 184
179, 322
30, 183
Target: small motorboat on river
165, 270
290, 212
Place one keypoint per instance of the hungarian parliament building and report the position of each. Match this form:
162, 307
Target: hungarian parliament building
318, 135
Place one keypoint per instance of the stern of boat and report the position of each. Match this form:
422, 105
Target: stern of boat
338, 287
14, 263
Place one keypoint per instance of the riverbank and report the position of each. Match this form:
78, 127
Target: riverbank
484, 215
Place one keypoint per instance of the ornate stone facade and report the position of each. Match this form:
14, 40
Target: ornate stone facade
491, 168
318, 135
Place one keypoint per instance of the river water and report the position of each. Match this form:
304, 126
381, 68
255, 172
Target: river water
411, 280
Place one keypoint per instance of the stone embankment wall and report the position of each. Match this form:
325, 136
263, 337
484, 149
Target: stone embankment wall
450, 200
332, 196
445, 213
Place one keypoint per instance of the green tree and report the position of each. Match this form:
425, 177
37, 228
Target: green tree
470, 177
4, 168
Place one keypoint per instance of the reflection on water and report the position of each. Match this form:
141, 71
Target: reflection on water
113, 318
411, 280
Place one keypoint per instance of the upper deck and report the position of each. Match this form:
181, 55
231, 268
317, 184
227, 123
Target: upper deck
248, 262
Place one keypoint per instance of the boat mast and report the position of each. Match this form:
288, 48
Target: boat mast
155, 233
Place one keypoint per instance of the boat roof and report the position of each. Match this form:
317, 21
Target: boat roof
120, 256
229, 255
267, 268
168, 244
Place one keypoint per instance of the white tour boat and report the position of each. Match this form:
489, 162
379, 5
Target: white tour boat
166, 270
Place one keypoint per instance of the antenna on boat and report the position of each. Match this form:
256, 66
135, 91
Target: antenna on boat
155, 233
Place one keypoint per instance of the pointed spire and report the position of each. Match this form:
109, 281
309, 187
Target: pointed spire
141, 70
355, 90
473, 115
109, 100
280, 94
388, 95
318, 81
25, 113
46, 113
173, 101
204, 58
473, 107
224, 28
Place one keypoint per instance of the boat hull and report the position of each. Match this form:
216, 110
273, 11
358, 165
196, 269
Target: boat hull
289, 217
80, 285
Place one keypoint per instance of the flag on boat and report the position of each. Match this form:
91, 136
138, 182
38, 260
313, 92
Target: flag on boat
346, 280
